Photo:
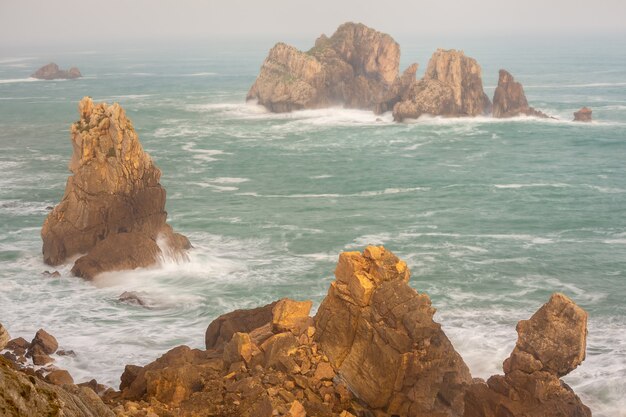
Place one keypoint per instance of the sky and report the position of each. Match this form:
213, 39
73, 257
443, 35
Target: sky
54, 22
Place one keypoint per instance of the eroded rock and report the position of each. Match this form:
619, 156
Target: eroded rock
550, 345
52, 71
380, 336
452, 86
509, 99
113, 209
583, 115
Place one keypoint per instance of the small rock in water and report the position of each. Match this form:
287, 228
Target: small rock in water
46, 341
583, 115
55, 274
63, 352
131, 297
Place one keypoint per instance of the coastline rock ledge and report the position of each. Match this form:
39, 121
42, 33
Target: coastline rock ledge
113, 209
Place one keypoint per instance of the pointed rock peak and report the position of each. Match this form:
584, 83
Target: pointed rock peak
509, 99
552, 340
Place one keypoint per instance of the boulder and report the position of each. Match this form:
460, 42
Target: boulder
19, 345
356, 67
4, 337
52, 71
290, 315
583, 115
113, 209
452, 86
59, 377
509, 99
380, 337
46, 341
550, 345
22, 395
222, 329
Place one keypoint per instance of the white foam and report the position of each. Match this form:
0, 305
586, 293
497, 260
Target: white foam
200, 74
532, 185
19, 80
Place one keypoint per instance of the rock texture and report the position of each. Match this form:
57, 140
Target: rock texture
583, 115
53, 72
509, 99
452, 86
23, 395
113, 209
357, 67
550, 345
380, 336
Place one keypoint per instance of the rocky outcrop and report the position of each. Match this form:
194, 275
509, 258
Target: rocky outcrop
23, 395
509, 99
550, 345
357, 67
380, 336
53, 72
583, 115
452, 86
113, 209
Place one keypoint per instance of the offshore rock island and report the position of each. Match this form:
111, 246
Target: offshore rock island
372, 349
52, 71
358, 67
112, 214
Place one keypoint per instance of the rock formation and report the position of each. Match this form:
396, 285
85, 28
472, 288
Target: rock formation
583, 115
53, 72
113, 209
550, 345
380, 336
356, 67
4, 337
452, 86
509, 99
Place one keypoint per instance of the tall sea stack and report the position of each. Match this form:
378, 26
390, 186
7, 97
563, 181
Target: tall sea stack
113, 209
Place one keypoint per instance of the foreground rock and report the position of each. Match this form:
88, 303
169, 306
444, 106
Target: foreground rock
380, 336
113, 209
26, 395
4, 337
550, 345
452, 87
53, 72
583, 115
509, 99
357, 67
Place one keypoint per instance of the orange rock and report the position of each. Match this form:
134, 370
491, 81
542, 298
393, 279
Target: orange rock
297, 410
59, 377
509, 99
290, 315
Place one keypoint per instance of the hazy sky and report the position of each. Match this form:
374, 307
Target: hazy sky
42, 22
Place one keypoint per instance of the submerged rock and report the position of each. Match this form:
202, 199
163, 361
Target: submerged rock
509, 99
583, 115
356, 67
52, 71
132, 298
550, 345
113, 209
452, 86
380, 336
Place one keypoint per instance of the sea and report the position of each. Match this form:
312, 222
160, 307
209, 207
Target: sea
492, 216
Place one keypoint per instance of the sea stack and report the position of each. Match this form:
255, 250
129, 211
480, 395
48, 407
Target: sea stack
549, 345
509, 99
583, 115
113, 209
356, 67
452, 86
53, 72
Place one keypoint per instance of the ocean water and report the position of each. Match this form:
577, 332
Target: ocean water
492, 216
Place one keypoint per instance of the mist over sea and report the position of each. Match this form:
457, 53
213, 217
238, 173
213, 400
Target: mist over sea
492, 216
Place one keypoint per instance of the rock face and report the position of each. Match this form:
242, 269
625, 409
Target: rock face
583, 115
380, 336
452, 86
550, 345
509, 99
22, 395
113, 209
4, 337
356, 67
53, 72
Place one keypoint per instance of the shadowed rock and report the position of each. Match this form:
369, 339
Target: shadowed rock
113, 209
583, 115
509, 99
452, 86
380, 336
550, 345
356, 67
53, 72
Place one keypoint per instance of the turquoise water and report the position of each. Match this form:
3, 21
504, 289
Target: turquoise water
491, 216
